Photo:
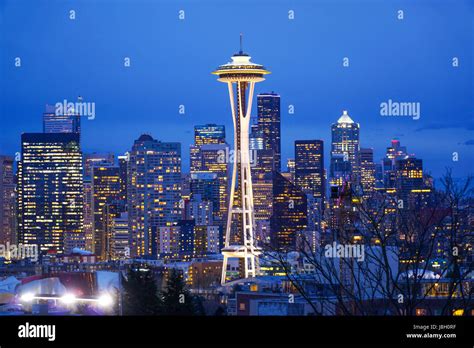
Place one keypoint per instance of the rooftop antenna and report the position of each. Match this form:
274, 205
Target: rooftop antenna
241, 37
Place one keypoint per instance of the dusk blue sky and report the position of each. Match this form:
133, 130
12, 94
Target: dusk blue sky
407, 60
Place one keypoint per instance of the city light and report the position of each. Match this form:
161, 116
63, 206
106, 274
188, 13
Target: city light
105, 300
27, 297
68, 299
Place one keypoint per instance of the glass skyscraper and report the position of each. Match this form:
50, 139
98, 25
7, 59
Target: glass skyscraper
268, 120
53, 123
345, 150
209, 134
289, 214
106, 188
50, 192
7, 200
309, 167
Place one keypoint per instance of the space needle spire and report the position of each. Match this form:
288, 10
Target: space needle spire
240, 75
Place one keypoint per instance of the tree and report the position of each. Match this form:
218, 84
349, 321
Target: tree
140, 292
176, 298
401, 244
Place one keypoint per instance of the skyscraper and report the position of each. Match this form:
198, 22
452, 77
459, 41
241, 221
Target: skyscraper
7, 200
243, 74
367, 171
88, 215
268, 116
309, 167
262, 166
95, 159
50, 191
394, 153
53, 123
123, 163
106, 189
119, 248
153, 190
409, 177
214, 159
289, 213
345, 151
209, 134
206, 185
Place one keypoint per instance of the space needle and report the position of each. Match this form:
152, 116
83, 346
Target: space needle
241, 75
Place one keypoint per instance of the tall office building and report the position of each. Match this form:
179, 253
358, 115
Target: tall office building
153, 191
394, 153
215, 159
114, 230
209, 134
367, 171
309, 167
123, 163
53, 123
106, 189
119, 248
95, 159
409, 177
50, 192
290, 168
206, 185
262, 167
345, 151
289, 214
7, 201
88, 215
268, 116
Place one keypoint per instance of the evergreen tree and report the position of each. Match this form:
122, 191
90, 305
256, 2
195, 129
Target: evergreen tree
140, 292
176, 299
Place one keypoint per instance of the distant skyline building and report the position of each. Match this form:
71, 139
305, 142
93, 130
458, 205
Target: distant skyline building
309, 167
88, 215
119, 239
242, 74
50, 192
268, 121
53, 123
214, 158
409, 177
153, 190
206, 186
345, 149
367, 171
289, 214
106, 189
394, 153
96, 159
123, 164
209, 134
7, 201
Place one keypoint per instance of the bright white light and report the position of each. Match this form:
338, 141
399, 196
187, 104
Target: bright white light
68, 299
27, 297
105, 300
